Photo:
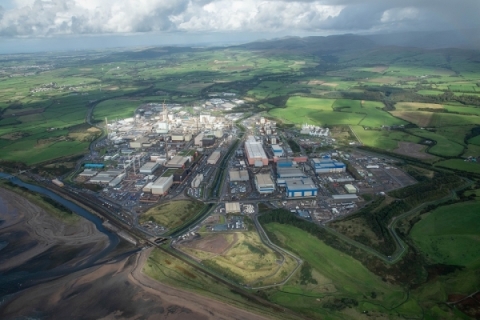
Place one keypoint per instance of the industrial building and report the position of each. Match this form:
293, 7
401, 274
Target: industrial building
350, 188
232, 207
160, 186
238, 175
162, 127
198, 179
284, 163
214, 157
177, 162
115, 182
300, 188
138, 143
327, 165
344, 197
277, 150
255, 152
284, 174
149, 167
178, 137
208, 141
264, 183
198, 139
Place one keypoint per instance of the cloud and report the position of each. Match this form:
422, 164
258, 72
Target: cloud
36, 18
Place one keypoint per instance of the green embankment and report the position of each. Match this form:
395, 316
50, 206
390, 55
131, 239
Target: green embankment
338, 276
450, 234
459, 164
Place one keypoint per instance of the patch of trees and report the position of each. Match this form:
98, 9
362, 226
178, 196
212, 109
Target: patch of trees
472, 134
56, 205
306, 274
340, 304
378, 217
295, 147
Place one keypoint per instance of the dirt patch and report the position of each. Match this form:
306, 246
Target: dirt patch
14, 136
420, 118
23, 113
414, 106
384, 80
215, 243
412, 150
315, 82
379, 69
330, 84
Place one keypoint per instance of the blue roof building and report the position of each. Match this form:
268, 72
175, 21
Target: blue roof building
284, 163
300, 188
94, 165
327, 165
277, 150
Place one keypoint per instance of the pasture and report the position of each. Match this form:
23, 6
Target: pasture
383, 139
442, 147
449, 234
323, 112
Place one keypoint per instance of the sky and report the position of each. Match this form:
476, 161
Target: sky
141, 22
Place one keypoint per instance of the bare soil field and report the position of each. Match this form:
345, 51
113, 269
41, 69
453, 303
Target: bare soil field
213, 243
379, 69
414, 106
412, 150
420, 118
316, 82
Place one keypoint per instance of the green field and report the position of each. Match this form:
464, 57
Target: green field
475, 140
337, 276
459, 164
115, 109
383, 139
449, 234
443, 146
323, 112
173, 214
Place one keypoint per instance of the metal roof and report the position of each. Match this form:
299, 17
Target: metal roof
264, 179
305, 184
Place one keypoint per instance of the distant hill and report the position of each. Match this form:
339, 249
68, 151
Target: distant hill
329, 44
464, 39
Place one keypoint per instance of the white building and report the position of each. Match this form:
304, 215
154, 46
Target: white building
161, 185
149, 167
214, 157
264, 183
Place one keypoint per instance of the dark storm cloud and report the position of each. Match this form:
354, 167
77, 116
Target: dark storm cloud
57, 17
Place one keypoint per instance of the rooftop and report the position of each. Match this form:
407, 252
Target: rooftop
301, 184
264, 179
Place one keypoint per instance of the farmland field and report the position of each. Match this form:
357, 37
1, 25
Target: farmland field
323, 112
383, 139
443, 146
